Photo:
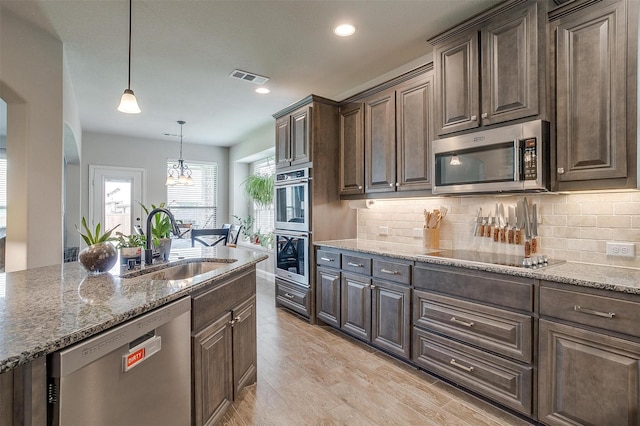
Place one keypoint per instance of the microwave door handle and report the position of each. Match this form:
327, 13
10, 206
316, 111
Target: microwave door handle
517, 160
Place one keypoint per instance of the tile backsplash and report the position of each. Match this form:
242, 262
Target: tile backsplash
571, 227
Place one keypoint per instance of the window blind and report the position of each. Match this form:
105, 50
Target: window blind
196, 204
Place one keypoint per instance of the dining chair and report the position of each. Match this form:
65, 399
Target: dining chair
234, 233
220, 235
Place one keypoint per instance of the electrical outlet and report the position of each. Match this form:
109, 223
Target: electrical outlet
417, 233
621, 249
383, 230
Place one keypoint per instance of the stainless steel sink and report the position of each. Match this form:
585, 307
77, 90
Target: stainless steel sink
186, 270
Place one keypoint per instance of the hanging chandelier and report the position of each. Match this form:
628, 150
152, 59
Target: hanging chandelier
179, 174
128, 102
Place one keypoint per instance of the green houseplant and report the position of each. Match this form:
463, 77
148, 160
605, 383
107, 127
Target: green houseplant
259, 188
100, 255
130, 247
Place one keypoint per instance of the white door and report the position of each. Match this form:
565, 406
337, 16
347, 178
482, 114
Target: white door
115, 194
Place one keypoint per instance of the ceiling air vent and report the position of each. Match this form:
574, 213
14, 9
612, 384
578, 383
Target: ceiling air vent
250, 77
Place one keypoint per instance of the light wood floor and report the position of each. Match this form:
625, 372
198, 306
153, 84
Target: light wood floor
311, 375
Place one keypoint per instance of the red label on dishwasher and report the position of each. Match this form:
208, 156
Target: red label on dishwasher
135, 357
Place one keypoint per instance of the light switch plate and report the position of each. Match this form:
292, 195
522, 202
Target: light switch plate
383, 230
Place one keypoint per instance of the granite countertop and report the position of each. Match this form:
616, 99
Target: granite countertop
625, 280
48, 308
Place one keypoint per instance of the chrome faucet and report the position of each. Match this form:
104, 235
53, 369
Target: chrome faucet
148, 251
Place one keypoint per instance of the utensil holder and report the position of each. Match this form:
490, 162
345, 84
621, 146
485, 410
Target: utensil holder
431, 238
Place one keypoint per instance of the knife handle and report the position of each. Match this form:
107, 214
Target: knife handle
503, 235
481, 230
496, 233
510, 236
534, 245
518, 236
527, 249
488, 230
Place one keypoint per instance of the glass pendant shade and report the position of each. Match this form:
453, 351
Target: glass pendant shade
182, 180
128, 103
170, 181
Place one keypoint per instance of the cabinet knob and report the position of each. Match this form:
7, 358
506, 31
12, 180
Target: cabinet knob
397, 183
474, 118
560, 170
391, 185
360, 187
372, 286
484, 115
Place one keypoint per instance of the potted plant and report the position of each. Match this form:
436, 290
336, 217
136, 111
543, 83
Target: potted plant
100, 255
160, 231
259, 188
130, 247
247, 226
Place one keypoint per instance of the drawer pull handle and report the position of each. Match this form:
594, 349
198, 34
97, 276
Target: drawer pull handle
465, 323
372, 286
289, 296
327, 259
460, 366
235, 320
386, 271
357, 265
579, 308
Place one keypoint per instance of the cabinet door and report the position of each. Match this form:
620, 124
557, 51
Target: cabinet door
283, 142
212, 371
352, 149
591, 90
356, 306
380, 143
457, 91
414, 112
301, 136
244, 345
587, 377
390, 325
509, 52
328, 296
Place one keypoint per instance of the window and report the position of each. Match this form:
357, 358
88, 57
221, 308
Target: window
196, 204
263, 215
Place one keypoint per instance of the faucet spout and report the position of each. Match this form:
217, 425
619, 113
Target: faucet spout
148, 252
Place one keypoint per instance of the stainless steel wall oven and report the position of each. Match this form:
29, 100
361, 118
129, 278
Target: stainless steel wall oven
292, 256
292, 200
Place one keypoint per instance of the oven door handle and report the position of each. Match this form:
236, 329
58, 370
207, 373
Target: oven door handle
287, 182
291, 234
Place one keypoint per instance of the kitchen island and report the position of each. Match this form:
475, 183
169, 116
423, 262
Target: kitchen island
43, 310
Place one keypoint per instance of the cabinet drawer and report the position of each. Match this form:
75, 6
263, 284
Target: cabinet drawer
487, 287
328, 258
357, 264
392, 271
506, 333
294, 297
504, 381
616, 315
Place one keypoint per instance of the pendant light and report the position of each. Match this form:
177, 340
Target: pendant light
179, 174
128, 102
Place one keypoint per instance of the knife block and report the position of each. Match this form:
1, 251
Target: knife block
431, 238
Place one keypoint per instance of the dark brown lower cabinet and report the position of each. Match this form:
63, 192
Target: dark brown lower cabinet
507, 382
23, 394
377, 312
328, 295
587, 377
223, 346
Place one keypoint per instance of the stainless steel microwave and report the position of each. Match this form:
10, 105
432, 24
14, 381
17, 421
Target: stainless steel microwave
513, 158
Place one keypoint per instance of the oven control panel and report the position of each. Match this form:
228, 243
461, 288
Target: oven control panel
530, 159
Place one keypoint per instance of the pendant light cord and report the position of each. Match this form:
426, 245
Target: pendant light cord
130, 19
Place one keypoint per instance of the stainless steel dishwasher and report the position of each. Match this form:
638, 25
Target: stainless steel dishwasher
137, 373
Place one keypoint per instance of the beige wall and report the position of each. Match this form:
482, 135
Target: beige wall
573, 227
31, 82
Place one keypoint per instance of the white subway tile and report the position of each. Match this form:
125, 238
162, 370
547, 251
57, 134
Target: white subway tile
614, 222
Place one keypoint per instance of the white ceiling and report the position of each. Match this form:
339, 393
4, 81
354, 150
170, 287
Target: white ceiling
184, 50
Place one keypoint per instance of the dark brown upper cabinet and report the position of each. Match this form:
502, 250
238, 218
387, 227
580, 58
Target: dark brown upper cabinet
293, 135
385, 139
352, 149
594, 50
487, 69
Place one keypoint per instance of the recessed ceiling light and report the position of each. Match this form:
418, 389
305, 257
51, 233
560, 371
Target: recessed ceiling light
262, 90
344, 30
